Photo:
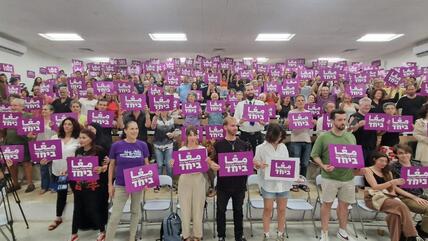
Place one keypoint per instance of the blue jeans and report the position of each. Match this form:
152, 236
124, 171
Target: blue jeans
162, 158
301, 150
45, 176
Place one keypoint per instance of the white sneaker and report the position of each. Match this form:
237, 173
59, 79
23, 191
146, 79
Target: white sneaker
324, 236
344, 236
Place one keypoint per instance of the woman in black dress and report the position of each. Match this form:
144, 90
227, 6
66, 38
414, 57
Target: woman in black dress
90, 199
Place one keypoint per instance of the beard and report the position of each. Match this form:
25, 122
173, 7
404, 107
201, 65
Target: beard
340, 127
250, 97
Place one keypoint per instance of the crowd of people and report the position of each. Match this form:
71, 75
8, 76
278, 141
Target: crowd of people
148, 136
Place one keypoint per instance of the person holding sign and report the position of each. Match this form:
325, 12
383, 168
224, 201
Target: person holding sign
192, 119
404, 154
232, 186
421, 134
90, 197
127, 153
381, 195
191, 191
272, 190
250, 130
335, 181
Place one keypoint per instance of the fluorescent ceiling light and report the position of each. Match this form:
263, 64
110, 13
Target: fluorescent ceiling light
262, 59
247, 58
274, 37
182, 59
331, 59
379, 37
99, 59
61, 36
168, 36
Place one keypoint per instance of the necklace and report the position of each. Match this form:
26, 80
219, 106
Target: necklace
232, 144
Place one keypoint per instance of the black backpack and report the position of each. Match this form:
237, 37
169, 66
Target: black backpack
171, 228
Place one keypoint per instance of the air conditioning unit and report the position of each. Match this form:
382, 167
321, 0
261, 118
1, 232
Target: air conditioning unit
421, 50
12, 47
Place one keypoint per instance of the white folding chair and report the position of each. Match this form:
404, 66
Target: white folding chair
335, 204
157, 205
303, 205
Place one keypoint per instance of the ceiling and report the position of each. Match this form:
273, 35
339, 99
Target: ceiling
119, 28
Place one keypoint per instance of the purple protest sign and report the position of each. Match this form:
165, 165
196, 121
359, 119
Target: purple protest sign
186, 72
132, 101
355, 90
191, 108
283, 170
255, 113
214, 132
8, 68
104, 118
103, 87
294, 63
411, 71
15, 153
415, 177
235, 163
33, 103
46, 87
270, 87
213, 78
10, 119
215, 106
315, 109
302, 120
289, 90
246, 74
109, 68
139, 178
42, 70
54, 70
13, 90
75, 83
199, 130
76, 65
424, 88
326, 123
375, 121
123, 87
57, 119
190, 161
232, 105
5, 108
81, 168
346, 156
400, 124
33, 125
305, 74
393, 78
155, 90
328, 75
198, 94
360, 78
49, 150
261, 68
172, 79
161, 102
31, 74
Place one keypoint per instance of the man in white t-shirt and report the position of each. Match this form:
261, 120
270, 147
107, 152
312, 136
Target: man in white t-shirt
89, 102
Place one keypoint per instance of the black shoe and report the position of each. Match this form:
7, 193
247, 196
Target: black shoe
242, 239
421, 232
30, 188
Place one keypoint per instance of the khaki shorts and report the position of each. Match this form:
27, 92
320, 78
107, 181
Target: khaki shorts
345, 191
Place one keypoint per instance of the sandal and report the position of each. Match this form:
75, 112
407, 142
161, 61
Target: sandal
304, 188
55, 224
101, 237
74, 237
295, 188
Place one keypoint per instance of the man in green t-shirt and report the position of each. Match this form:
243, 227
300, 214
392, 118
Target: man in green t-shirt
335, 181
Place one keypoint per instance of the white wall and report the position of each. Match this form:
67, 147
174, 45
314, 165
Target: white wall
399, 58
33, 60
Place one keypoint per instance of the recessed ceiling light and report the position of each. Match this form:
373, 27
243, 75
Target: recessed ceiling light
331, 59
99, 59
168, 36
61, 36
274, 37
379, 37
262, 59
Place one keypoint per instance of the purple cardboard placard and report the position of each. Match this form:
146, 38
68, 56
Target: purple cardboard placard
283, 170
213, 78
275, 73
294, 63
232, 105
315, 109
57, 119
215, 106
305, 74
54, 70
190, 161
142, 177
5, 108
161, 102
13, 90
415, 177
104, 118
173, 79
360, 78
326, 123
49, 150
328, 74
15, 153
155, 90
346, 156
199, 130
33, 125
191, 108
123, 87
270, 87
246, 74
355, 90
33, 103
377, 63
424, 88
8, 68
134, 69
198, 94
235, 163
375, 121
400, 123
76, 65
302, 120
132, 101
289, 90
42, 70
255, 113
31, 74
393, 78
103, 87
10, 119
75, 83
47, 87
214, 132
81, 168
109, 68
411, 71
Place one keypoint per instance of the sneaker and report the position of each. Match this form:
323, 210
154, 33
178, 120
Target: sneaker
156, 189
221, 239
242, 239
265, 237
344, 236
280, 237
324, 236
30, 188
